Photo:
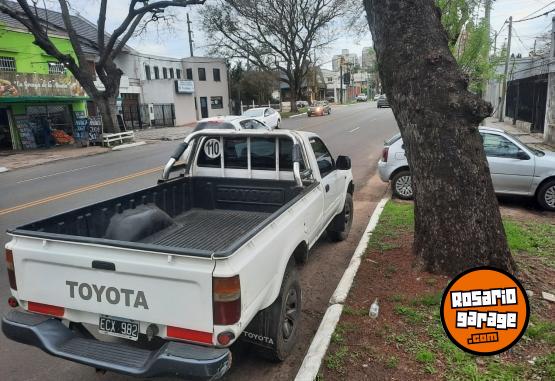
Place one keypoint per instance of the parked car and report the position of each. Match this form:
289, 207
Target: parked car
195, 262
330, 99
362, 98
319, 108
382, 101
516, 168
302, 104
266, 115
231, 122
376, 97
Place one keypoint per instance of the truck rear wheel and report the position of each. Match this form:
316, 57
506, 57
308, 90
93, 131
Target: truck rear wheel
340, 226
285, 316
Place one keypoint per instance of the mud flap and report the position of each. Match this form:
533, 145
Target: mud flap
262, 330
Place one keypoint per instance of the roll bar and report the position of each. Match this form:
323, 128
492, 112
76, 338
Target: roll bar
297, 154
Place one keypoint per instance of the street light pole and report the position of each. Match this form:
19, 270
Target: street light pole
190, 35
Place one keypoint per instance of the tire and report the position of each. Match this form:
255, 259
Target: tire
402, 185
285, 316
546, 195
277, 125
340, 226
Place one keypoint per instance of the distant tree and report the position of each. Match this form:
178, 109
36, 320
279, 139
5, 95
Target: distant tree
457, 220
140, 13
273, 35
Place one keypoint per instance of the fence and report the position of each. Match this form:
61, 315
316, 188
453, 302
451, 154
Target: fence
526, 101
138, 116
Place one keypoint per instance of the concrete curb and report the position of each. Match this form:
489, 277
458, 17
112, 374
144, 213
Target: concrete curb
321, 341
3, 169
126, 146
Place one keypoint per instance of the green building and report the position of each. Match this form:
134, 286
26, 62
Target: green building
36, 91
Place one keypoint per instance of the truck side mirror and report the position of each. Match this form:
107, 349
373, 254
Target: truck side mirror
343, 163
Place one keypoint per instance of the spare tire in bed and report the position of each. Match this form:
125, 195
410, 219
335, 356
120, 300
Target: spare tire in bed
134, 225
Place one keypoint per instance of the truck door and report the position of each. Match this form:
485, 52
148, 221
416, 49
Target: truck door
332, 184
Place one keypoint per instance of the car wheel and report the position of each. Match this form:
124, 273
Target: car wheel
277, 125
285, 316
402, 185
546, 196
340, 226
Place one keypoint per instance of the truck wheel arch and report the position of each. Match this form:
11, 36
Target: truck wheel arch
351, 188
301, 253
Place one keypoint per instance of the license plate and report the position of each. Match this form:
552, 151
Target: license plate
118, 327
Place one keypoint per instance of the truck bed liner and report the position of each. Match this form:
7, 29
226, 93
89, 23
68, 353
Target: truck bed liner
211, 230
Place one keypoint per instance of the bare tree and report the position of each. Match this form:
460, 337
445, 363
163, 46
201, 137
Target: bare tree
272, 34
140, 14
457, 222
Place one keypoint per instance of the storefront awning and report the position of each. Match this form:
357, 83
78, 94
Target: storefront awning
43, 99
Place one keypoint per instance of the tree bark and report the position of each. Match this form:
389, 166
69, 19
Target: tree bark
107, 108
457, 220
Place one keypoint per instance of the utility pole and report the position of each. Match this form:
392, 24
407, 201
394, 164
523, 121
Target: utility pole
504, 91
341, 63
190, 35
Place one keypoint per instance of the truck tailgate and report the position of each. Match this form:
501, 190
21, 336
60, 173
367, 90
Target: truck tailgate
89, 281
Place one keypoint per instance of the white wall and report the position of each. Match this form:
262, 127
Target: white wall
163, 91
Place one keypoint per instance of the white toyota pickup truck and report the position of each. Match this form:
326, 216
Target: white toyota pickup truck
188, 266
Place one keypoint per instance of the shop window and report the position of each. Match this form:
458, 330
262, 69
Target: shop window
165, 73
178, 73
217, 77
171, 72
147, 72
190, 74
7, 64
217, 102
201, 74
156, 72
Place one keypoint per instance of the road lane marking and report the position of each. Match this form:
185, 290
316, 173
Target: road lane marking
56, 174
356, 129
73, 192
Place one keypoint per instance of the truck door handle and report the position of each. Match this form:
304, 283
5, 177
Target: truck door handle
101, 265
327, 188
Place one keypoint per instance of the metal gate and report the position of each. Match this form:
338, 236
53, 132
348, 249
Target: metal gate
527, 101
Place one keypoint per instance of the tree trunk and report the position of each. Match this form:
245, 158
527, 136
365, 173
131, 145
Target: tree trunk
457, 220
107, 108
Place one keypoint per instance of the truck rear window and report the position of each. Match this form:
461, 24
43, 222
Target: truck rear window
235, 151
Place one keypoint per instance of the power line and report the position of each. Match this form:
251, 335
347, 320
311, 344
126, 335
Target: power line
535, 17
541, 9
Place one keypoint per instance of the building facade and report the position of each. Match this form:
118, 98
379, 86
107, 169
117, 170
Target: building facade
348, 59
37, 93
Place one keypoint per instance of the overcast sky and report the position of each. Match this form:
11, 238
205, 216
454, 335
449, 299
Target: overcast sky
174, 43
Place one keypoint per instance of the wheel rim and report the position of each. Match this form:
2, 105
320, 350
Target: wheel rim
550, 196
290, 314
403, 186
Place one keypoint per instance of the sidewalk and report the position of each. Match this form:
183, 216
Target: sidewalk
23, 159
533, 139
164, 134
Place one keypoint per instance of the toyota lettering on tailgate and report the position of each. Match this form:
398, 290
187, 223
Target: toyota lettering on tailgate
113, 295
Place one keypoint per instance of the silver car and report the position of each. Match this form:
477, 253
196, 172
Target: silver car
516, 169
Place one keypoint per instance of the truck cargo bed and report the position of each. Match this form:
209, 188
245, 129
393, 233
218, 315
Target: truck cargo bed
196, 216
211, 230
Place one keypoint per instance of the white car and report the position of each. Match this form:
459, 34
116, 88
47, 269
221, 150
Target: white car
231, 122
376, 97
191, 264
267, 115
516, 169
362, 98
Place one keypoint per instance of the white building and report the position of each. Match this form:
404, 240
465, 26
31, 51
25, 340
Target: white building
349, 59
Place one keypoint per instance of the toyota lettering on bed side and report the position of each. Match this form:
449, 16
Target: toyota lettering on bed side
112, 295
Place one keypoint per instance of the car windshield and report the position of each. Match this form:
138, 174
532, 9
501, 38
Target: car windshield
319, 104
254, 112
535, 151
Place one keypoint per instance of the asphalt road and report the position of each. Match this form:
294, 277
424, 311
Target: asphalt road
39, 192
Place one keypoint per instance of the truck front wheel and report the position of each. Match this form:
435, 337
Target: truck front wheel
341, 225
285, 316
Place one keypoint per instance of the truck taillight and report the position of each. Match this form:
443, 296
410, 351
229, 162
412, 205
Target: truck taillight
226, 300
385, 154
11, 269
46, 309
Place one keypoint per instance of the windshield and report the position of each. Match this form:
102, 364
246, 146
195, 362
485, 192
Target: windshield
319, 104
535, 151
254, 112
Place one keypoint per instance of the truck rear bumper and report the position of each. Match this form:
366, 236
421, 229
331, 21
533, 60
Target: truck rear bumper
172, 359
